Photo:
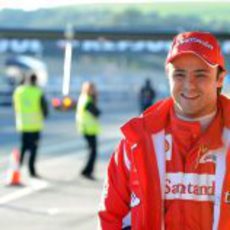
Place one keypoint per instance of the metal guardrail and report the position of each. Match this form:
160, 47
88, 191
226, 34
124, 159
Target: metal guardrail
95, 34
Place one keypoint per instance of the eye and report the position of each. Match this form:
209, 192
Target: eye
201, 75
178, 75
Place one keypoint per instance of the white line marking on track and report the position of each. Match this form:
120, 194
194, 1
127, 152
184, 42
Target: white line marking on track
34, 186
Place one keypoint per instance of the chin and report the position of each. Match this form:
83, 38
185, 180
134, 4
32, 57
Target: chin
191, 113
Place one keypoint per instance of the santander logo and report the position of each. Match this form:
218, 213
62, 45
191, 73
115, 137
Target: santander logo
190, 186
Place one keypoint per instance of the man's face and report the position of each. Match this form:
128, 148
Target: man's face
193, 85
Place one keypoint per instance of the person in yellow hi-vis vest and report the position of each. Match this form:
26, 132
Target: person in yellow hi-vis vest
88, 125
30, 110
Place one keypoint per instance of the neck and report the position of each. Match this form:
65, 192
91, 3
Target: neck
204, 120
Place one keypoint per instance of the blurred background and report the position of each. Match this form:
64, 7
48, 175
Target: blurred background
115, 44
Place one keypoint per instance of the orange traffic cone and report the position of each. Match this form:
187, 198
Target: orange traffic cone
14, 175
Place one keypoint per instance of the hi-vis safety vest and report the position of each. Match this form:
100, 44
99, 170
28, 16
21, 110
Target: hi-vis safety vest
27, 104
87, 123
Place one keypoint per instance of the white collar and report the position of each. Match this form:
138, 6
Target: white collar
204, 120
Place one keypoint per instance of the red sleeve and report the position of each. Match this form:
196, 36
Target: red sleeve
116, 195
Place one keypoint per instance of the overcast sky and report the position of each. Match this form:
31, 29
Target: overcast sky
33, 5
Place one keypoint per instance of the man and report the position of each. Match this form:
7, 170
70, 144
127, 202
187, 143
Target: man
147, 95
87, 120
30, 109
171, 170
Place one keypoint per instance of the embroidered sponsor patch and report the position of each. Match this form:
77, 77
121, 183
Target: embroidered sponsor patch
189, 186
208, 157
168, 147
196, 40
203, 149
134, 200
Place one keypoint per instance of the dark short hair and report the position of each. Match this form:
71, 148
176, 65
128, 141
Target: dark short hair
33, 79
219, 72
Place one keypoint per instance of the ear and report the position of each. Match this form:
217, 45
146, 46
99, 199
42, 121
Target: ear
220, 79
168, 68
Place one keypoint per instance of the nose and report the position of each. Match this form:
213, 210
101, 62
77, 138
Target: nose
190, 82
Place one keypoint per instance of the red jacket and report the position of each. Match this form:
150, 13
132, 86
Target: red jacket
150, 188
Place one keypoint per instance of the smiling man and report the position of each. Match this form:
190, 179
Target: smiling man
171, 169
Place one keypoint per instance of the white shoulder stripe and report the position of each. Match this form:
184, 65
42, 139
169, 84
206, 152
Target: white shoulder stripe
126, 159
220, 173
158, 144
226, 137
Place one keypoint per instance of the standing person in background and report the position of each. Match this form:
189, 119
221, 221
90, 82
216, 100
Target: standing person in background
30, 110
147, 95
171, 169
88, 124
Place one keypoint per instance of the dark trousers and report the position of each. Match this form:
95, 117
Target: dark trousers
92, 154
29, 142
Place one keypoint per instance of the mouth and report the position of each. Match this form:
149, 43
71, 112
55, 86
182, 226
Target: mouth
189, 97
